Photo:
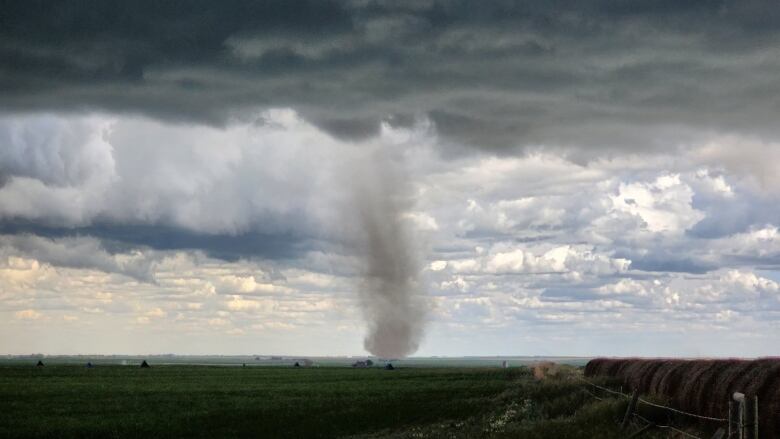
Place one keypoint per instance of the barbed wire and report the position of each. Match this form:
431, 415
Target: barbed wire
603, 388
669, 427
592, 394
643, 401
706, 418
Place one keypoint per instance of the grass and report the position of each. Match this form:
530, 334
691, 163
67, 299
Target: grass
202, 401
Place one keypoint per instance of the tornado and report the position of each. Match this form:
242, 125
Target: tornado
390, 292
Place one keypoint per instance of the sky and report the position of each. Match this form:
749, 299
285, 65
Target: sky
526, 178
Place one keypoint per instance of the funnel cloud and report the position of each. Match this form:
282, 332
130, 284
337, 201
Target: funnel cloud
390, 294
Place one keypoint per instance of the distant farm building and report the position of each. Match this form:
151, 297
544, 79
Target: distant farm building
363, 363
145, 365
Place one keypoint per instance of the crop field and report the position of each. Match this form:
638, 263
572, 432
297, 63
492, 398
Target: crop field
218, 401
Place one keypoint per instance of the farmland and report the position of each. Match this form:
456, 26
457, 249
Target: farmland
218, 401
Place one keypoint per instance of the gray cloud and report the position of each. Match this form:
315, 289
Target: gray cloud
593, 75
521, 245
80, 252
275, 190
139, 183
54, 150
590, 167
118, 238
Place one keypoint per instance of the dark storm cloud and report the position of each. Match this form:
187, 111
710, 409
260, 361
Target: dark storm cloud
495, 74
77, 252
117, 238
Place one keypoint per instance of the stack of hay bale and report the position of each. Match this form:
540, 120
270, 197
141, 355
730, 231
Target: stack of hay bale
703, 387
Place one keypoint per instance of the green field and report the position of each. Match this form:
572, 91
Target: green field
265, 402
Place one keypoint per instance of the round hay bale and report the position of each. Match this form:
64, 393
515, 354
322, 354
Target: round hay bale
750, 377
767, 386
769, 408
703, 391
594, 366
588, 369
763, 381
759, 377
629, 372
635, 373
767, 370
623, 370
610, 367
686, 398
701, 386
673, 391
648, 372
660, 372
614, 367
668, 378
721, 392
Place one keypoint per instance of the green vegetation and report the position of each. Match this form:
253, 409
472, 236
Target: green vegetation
206, 401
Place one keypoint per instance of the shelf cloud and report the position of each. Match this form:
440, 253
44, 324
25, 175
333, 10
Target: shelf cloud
587, 75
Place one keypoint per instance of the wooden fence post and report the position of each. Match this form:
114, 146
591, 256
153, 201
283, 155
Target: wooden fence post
642, 431
748, 420
719, 434
754, 425
630, 409
737, 417
730, 419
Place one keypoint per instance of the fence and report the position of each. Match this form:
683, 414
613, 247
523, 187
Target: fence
742, 421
